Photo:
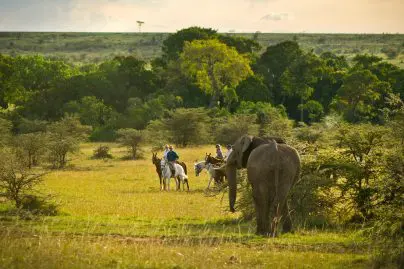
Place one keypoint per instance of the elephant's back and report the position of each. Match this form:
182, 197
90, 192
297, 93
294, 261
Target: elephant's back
271, 156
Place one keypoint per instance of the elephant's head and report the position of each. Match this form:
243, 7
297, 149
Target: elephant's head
238, 159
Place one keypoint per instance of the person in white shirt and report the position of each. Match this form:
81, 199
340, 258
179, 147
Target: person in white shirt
166, 150
229, 150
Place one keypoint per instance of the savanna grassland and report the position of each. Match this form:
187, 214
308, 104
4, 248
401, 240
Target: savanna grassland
113, 215
98, 47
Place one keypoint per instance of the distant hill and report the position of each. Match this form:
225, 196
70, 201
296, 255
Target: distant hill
97, 47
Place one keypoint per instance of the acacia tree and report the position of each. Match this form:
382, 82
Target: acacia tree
131, 138
216, 68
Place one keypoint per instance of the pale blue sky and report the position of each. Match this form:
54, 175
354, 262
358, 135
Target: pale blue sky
324, 16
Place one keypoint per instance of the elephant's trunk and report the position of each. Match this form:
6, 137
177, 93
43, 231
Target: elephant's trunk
232, 178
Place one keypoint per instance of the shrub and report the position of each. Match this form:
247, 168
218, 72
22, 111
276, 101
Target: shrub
102, 152
227, 130
187, 126
131, 138
30, 147
16, 182
64, 137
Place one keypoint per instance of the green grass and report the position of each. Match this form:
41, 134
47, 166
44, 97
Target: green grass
113, 215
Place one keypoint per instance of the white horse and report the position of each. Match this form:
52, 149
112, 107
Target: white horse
179, 173
199, 166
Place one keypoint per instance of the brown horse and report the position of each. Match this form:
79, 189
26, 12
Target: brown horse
157, 163
216, 162
213, 160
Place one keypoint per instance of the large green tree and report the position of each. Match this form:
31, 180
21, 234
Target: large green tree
360, 96
299, 79
214, 67
274, 62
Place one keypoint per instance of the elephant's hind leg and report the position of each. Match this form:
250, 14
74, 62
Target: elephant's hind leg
287, 220
261, 201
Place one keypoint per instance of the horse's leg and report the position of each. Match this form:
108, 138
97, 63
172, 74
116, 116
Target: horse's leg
161, 183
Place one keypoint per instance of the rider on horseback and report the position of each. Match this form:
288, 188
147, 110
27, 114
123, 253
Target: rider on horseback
219, 154
172, 157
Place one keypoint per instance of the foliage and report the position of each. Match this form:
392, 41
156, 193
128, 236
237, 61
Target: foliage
387, 228
273, 63
5, 132
131, 138
214, 67
227, 130
271, 120
253, 89
102, 152
30, 147
64, 137
91, 111
187, 126
16, 182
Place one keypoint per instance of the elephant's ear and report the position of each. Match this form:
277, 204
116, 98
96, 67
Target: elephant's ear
246, 141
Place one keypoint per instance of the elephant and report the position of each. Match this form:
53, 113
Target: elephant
272, 169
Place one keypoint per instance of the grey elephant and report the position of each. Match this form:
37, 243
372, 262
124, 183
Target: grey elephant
272, 169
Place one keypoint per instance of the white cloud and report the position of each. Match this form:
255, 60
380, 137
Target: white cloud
273, 16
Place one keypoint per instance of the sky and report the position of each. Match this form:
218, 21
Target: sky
289, 16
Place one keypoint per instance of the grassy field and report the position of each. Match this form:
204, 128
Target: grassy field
97, 47
113, 215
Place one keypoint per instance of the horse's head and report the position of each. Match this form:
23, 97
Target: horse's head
155, 160
198, 168
208, 158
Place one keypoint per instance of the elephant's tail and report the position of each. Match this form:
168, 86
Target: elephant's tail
277, 167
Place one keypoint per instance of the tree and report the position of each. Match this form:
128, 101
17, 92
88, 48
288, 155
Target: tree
213, 66
15, 180
64, 137
5, 132
313, 109
187, 126
36, 83
300, 77
174, 44
91, 111
253, 89
362, 149
30, 147
131, 138
6, 70
359, 94
273, 63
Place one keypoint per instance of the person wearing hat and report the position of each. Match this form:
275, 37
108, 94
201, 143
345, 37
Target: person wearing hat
172, 157
166, 150
229, 150
219, 153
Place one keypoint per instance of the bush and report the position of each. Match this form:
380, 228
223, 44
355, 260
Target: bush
227, 130
5, 132
187, 126
30, 147
102, 152
131, 138
64, 137
104, 134
16, 182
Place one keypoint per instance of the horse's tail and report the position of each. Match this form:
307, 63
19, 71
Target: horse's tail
185, 168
